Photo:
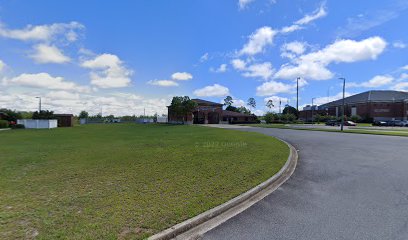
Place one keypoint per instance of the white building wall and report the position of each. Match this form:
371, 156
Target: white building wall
38, 123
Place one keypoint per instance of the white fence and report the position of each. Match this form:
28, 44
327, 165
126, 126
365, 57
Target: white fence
38, 123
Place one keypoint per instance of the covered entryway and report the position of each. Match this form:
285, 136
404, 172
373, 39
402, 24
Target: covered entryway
199, 117
213, 118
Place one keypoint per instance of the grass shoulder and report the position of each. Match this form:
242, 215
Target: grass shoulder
124, 180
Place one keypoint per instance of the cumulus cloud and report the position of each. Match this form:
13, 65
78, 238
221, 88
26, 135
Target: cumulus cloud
377, 81
401, 86
44, 81
262, 70
314, 65
240, 64
47, 33
222, 68
108, 71
405, 67
242, 4
258, 40
163, 83
273, 87
181, 76
293, 49
44, 53
276, 100
215, 90
118, 104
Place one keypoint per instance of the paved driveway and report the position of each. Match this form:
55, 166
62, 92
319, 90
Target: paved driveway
346, 186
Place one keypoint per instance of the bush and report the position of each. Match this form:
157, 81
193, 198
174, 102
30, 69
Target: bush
4, 124
18, 126
356, 118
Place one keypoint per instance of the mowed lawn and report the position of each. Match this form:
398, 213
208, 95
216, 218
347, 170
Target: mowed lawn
124, 181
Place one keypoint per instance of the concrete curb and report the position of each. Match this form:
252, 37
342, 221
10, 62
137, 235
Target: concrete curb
194, 227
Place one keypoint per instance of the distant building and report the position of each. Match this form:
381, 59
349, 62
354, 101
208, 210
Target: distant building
375, 105
208, 112
65, 120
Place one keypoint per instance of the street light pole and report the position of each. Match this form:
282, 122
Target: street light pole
312, 110
343, 110
39, 104
297, 93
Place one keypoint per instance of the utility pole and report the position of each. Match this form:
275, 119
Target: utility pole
39, 105
297, 93
280, 104
312, 110
343, 110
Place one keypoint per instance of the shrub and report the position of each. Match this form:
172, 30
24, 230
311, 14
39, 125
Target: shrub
18, 126
4, 124
356, 118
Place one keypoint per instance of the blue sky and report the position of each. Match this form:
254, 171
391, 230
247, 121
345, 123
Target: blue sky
129, 55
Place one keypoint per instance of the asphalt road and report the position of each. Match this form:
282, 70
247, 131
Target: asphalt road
346, 186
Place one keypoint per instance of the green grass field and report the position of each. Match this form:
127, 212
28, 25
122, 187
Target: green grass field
124, 181
391, 132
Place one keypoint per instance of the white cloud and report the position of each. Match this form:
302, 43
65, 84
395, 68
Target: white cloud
163, 83
118, 104
222, 68
372, 18
399, 44
44, 81
292, 28
319, 13
403, 76
240, 64
263, 70
275, 101
405, 67
108, 71
2, 65
401, 86
377, 81
272, 88
313, 65
293, 49
298, 25
215, 90
324, 100
68, 31
62, 95
182, 76
204, 57
258, 40
242, 4
48, 54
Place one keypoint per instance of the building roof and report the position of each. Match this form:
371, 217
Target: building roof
371, 96
226, 113
206, 103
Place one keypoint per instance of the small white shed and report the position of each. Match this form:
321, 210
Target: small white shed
38, 123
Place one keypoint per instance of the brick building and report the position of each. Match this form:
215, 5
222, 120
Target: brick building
208, 112
370, 106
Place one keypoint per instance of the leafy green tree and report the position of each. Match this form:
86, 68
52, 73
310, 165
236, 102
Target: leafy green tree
10, 115
269, 104
251, 103
44, 114
228, 101
244, 110
83, 114
232, 108
182, 106
290, 110
271, 117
